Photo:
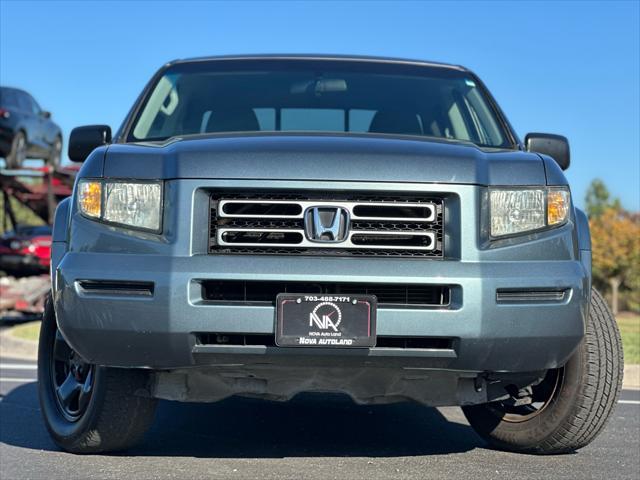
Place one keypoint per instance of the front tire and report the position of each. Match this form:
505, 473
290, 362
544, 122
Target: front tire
55, 153
18, 152
87, 408
575, 401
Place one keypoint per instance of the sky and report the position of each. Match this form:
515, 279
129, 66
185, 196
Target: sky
571, 68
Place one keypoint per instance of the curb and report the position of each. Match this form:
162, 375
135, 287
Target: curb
631, 376
21, 349
17, 348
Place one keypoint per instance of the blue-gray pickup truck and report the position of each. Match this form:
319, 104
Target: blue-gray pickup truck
270, 225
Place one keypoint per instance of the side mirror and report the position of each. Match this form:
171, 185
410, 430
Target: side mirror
83, 140
45, 114
556, 146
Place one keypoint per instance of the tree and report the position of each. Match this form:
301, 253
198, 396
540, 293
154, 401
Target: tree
598, 199
615, 240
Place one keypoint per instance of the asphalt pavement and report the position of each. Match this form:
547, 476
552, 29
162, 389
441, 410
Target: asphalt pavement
313, 436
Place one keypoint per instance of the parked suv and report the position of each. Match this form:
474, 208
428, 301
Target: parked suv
26, 131
272, 225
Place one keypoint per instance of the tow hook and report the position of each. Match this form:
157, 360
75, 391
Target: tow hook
478, 382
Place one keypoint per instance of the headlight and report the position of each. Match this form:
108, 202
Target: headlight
130, 204
516, 211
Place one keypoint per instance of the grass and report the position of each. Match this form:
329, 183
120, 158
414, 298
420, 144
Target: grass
24, 215
27, 331
629, 324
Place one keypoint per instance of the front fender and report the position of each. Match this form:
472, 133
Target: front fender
584, 242
61, 221
59, 236
582, 230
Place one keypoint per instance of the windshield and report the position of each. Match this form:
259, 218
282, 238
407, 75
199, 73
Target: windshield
317, 96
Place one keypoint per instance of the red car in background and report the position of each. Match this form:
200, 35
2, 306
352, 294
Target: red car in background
26, 251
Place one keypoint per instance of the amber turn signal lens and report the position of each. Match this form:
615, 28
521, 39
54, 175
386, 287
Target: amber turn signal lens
90, 198
557, 206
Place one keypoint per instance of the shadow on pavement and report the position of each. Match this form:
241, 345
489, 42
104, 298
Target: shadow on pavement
311, 425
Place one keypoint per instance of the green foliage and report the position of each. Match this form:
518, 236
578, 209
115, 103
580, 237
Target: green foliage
615, 241
598, 199
629, 325
24, 215
27, 331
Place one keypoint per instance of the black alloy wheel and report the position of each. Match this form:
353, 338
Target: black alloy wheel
72, 379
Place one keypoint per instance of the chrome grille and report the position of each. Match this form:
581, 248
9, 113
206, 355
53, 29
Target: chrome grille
274, 223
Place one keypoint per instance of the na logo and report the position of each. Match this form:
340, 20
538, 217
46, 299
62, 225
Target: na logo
325, 316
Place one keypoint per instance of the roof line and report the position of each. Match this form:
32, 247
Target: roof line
325, 57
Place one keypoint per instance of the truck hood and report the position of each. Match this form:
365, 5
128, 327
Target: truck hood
324, 157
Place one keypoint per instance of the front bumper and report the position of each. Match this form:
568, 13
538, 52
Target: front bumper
157, 331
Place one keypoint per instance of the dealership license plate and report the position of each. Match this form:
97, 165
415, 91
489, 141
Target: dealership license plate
325, 320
